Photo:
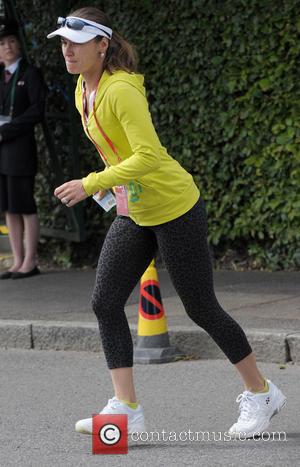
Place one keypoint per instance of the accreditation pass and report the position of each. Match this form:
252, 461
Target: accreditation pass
107, 202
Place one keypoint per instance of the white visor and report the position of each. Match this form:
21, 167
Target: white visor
89, 31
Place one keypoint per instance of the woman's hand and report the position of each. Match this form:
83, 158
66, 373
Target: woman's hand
70, 193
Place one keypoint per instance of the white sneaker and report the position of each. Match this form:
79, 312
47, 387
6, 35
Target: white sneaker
256, 411
136, 422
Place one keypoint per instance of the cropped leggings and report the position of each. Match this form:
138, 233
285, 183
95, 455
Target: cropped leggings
126, 253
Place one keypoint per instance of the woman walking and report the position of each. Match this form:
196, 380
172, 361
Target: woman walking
158, 206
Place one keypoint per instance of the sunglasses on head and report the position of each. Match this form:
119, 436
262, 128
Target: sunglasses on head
79, 24
72, 23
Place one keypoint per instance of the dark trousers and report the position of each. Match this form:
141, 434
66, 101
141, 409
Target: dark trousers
126, 253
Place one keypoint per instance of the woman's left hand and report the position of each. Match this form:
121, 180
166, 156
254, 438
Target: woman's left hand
70, 193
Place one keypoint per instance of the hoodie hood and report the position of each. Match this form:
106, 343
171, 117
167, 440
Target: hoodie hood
134, 79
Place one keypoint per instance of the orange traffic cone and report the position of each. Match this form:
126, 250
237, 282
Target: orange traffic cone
153, 344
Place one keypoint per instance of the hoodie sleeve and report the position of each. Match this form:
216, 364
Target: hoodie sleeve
130, 107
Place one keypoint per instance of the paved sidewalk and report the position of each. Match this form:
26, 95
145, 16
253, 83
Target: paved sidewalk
52, 311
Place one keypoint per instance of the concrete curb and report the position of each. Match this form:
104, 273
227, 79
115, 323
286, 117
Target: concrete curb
293, 341
15, 334
271, 346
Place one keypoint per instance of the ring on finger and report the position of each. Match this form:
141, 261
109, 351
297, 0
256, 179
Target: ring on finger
65, 201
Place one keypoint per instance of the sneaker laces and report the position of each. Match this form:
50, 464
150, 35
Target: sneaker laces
114, 403
247, 405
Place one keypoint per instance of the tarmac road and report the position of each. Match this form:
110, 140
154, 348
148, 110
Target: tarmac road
43, 394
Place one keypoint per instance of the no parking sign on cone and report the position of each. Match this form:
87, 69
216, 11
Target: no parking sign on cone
153, 344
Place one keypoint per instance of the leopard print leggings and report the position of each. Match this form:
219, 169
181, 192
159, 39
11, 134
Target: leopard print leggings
126, 253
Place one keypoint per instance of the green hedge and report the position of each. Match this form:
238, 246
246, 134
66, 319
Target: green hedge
223, 85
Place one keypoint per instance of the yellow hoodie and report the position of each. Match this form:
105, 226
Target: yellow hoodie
159, 189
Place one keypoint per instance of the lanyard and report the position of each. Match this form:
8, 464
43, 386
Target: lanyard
107, 139
13, 92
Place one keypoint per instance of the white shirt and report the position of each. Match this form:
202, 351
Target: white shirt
13, 66
91, 100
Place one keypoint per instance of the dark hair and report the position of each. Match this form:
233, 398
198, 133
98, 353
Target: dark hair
120, 55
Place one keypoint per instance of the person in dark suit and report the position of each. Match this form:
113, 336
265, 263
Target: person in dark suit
22, 97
